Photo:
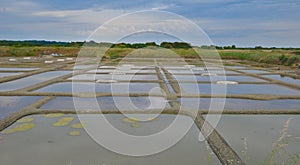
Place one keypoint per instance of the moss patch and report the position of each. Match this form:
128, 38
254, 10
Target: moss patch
78, 125
19, 128
25, 120
74, 133
130, 120
135, 125
63, 121
152, 119
54, 115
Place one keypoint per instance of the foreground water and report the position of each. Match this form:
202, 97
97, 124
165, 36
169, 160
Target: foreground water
54, 145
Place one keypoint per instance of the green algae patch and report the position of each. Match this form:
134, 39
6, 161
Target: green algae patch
152, 119
19, 128
25, 120
54, 115
63, 121
130, 120
135, 125
74, 133
78, 125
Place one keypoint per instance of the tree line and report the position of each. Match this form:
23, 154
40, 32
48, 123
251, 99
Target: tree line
183, 45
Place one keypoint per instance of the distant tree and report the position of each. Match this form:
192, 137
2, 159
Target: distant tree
183, 45
151, 44
166, 45
209, 47
138, 45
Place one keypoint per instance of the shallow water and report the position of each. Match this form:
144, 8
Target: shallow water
238, 89
107, 103
241, 104
2, 74
11, 104
31, 80
236, 67
79, 67
113, 77
18, 69
284, 78
102, 87
123, 70
45, 139
188, 72
217, 78
260, 132
255, 71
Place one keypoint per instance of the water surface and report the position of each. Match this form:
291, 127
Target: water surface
31, 80
11, 104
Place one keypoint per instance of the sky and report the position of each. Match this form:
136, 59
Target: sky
226, 22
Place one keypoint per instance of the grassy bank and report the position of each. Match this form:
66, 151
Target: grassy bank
289, 57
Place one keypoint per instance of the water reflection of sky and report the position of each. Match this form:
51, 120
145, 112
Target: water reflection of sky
11, 104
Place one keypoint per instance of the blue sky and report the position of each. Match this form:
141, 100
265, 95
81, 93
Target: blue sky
227, 22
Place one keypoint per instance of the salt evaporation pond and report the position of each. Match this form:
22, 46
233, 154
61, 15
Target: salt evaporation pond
101, 87
106, 103
241, 104
271, 89
45, 139
11, 104
113, 77
2, 74
217, 78
254, 71
31, 80
253, 136
18, 69
284, 79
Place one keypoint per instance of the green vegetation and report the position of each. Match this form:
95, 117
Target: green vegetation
280, 56
279, 153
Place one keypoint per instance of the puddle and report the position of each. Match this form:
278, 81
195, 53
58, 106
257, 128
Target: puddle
107, 103
102, 87
217, 78
18, 69
271, 89
31, 80
74, 146
284, 79
9, 74
113, 77
241, 104
11, 104
252, 136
